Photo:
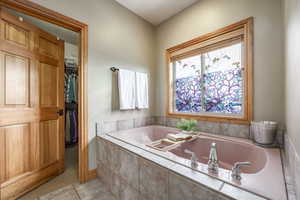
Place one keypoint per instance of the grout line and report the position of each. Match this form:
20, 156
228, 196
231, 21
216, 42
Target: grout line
286, 165
284, 172
221, 187
76, 191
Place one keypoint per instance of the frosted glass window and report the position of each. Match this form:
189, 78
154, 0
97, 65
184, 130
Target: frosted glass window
211, 82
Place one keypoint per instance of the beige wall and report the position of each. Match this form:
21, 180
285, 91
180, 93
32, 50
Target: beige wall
292, 70
117, 38
209, 15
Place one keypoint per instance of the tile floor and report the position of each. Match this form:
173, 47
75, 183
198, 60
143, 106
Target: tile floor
92, 190
65, 179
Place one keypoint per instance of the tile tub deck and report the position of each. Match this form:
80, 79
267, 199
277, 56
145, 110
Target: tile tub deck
134, 173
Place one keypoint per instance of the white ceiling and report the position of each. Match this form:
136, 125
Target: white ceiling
156, 11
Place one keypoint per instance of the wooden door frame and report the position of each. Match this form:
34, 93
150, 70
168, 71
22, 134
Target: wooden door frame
35, 10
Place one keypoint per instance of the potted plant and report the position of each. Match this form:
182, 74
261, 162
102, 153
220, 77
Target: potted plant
187, 126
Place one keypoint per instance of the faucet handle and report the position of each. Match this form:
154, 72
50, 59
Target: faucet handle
236, 169
194, 158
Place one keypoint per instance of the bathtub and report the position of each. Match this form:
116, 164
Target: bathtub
264, 177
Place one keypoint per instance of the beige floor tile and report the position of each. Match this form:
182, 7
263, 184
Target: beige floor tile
65, 193
93, 190
67, 187
67, 178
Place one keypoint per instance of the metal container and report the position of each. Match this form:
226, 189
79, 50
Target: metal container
264, 132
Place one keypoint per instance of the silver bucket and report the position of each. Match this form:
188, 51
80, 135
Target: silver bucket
264, 132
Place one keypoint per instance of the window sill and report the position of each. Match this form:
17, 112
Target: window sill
224, 119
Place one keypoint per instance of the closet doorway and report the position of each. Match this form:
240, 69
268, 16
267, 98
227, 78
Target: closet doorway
44, 63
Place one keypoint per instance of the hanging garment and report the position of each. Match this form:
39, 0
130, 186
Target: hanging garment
71, 127
74, 126
67, 88
68, 128
71, 97
71, 89
71, 80
74, 87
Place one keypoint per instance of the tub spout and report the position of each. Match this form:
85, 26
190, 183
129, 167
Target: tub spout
213, 163
194, 159
236, 170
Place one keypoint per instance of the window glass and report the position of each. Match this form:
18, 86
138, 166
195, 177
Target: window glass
211, 82
223, 80
187, 83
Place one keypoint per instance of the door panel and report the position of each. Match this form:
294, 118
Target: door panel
49, 142
48, 46
16, 34
16, 80
49, 77
2, 79
17, 152
31, 94
2, 155
51, 63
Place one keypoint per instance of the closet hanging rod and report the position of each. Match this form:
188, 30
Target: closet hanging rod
71, 70
114, 69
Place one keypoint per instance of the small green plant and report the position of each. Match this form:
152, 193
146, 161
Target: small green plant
187, 125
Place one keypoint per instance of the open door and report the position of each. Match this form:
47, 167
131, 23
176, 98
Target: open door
31, 106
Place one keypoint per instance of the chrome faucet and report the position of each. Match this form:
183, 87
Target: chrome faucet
194, 159
213, 163
236, 170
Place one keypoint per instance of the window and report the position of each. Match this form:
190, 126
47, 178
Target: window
210, 76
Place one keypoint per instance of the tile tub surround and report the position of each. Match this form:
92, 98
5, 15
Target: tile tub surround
154, 177
227, 129
117, 125
265, 162
292, 169
217, 128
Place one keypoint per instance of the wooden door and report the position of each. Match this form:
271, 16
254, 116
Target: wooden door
31, 96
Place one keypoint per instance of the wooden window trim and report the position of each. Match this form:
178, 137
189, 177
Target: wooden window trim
247, 26
197, 51
35, 10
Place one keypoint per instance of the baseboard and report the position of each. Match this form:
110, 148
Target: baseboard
27, 183
92, 174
